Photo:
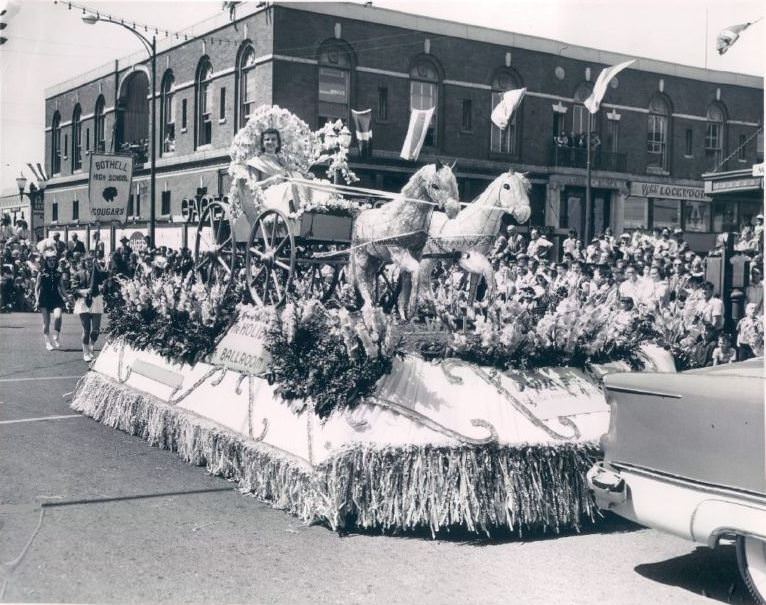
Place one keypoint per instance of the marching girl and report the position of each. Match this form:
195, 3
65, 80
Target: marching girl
88, 284
49, 298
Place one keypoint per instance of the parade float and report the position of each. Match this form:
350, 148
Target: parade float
275, 366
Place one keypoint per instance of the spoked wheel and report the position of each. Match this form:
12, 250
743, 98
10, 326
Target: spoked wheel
318, 278
270, 258
214, 247
751, 560
388, 285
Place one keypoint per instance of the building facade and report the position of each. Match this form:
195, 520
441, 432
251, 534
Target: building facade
661, 125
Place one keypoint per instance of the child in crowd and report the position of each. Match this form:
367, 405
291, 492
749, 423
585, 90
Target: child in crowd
724, 352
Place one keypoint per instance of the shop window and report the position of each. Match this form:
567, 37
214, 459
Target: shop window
424, 94
55, 212
56, 143
505, 140
245, 84
697, 216
77, 138
204, 107
165, 203
742, 148
636, 213
76, 210
335, 64
168, 112
467, 123
572, 211
666, 213
383, 104
222, 104
689, 140
657, 137
724, 216
99, 138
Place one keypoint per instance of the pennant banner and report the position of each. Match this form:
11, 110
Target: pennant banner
729, 36
501, 115
593, 102
362, 122
420, 119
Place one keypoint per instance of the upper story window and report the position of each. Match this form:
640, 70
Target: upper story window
424, 93
56, 143
714, 134
204, 118
77, 138
99, 138
168, 112
581, 122
504, 141
658, 124
246, 85
335, 64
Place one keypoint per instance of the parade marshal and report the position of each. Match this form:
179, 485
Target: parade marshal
109, 186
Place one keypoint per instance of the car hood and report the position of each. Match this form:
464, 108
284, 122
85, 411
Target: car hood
753, 368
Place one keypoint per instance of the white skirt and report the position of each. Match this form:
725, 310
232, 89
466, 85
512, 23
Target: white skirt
97, 306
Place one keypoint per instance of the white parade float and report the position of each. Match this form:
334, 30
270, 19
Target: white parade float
433, 443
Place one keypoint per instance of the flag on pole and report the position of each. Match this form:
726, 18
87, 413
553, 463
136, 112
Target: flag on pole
501, 115
593, 102
420, 119
362, 122
729, 36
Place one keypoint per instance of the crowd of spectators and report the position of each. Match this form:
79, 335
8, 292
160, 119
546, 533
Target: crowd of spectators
638, 272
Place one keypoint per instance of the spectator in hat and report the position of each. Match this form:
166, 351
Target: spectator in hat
77, 245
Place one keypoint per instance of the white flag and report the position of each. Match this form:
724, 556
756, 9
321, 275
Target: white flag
501, 114
593, 102
729, 36
420, 119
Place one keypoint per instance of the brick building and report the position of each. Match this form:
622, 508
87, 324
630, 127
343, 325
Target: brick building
661, 127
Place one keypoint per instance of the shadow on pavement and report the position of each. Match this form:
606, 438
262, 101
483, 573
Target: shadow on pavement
607, 524
711, 573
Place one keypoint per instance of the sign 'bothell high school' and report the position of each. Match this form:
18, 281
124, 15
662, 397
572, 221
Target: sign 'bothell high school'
109, 186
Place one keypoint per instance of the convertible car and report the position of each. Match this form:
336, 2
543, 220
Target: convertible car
685, 453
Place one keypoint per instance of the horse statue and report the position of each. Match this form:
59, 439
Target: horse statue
397, 232
474, 230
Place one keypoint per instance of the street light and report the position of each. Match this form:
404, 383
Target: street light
35, 194
151, 48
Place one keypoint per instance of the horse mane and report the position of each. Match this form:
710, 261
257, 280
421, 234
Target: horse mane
415, 187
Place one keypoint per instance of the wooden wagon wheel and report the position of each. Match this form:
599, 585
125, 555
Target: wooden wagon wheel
214, 246
270, 258
318, 278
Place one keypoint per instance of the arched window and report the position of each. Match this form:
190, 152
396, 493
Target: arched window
658, 124
77, 138
99, 138
245, 85
714, 133
204, 118
168, 112
335, 64
580, 114
424, 93
504, 141
56, 143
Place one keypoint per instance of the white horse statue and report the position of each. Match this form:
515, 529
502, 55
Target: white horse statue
474, 230
397, 232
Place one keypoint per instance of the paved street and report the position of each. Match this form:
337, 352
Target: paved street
124, 522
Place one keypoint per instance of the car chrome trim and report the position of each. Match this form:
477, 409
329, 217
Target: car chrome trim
757, 497
636, 391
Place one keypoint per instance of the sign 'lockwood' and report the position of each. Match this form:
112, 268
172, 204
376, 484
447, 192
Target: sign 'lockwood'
243, 349
109, 186
673, 192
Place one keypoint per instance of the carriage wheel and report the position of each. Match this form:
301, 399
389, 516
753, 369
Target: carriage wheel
318, 278
270, 258
214, 247
387, 288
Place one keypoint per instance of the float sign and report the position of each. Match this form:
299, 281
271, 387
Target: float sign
109, 186
243, 348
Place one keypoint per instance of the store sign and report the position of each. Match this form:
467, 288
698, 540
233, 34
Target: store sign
737, 184
192, 208
109, 186
243, 348
672, 192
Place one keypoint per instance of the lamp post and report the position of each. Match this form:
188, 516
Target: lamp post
151, 47
36, 195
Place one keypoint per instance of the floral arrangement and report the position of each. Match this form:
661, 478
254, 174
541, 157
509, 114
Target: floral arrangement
328, 358
334, 139
177, 317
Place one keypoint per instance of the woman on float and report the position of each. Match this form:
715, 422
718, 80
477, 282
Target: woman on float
88, 287
49, 298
